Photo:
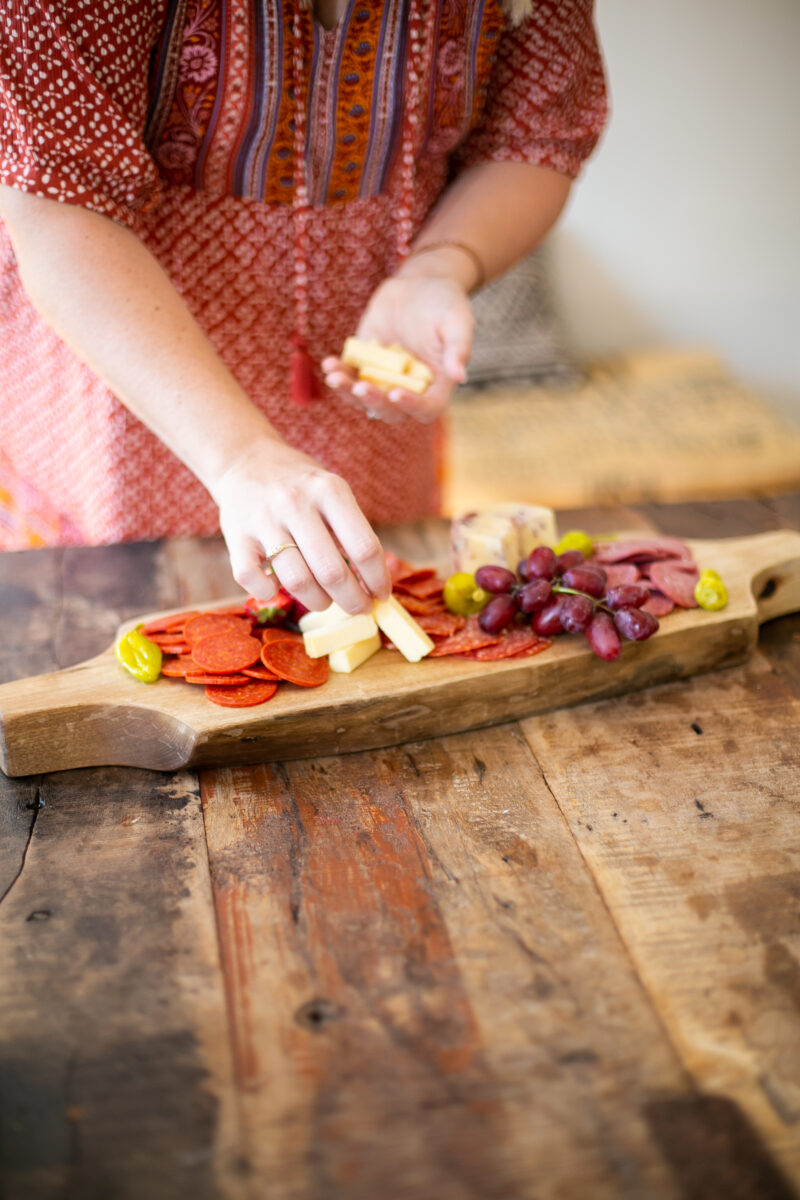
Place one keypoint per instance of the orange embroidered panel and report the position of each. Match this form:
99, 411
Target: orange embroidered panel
223, 104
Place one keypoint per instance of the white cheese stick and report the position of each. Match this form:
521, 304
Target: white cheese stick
319, 642
400, 627
350, 657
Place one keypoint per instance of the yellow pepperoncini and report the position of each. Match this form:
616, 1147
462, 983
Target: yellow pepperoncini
710, 592
138, 655
575, 539
463, 596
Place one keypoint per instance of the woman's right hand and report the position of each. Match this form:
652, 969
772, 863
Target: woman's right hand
274, 496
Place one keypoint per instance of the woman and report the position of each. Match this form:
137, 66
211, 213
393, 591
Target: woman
203, 198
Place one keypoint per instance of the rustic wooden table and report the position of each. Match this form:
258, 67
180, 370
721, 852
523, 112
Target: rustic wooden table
558, 958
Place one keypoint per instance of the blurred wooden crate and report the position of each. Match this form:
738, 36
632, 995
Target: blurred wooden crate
653, 425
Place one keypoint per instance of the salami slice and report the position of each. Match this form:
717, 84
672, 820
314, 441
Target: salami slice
226, 652
441, 625
657, 604
206, 623
641, 549
422, 585
242, 695
288, 660
471, 637
514, 643
619, 574
418, 607
675, 581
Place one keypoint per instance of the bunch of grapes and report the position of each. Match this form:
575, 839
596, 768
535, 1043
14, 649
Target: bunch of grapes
566, 594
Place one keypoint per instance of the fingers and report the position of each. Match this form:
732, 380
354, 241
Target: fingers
456, 331
335, 555
359, 394
248, 570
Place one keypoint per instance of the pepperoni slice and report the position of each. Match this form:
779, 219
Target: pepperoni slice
242, 695
259, 671
206, 623
675, 581
176, 668
422, 585
225, 652
288, 660
167, 639
208, 677
275, 634
164, 624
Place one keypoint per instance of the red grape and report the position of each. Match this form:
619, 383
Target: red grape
534, 594
591, 580
627, 595
495, 579
548, 621
602, 636
498, 613
635, 624
570, 558
576, 613
540, 564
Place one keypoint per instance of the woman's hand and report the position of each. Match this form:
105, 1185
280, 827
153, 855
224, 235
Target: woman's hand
426, 310
275, 496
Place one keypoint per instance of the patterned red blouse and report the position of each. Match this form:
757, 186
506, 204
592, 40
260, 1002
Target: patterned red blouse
176, 118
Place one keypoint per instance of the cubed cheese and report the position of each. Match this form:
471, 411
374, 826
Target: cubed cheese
327, 638
350, 657
402, 630
331, 615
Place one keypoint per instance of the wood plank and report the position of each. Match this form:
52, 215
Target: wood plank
682, 803
95, 713
115, 1068
422, 916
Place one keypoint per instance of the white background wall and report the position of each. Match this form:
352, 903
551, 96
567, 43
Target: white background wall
685, 227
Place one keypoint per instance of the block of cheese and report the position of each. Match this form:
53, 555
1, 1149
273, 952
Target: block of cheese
386, 367
331, 615
327, 638
358, 353
503, 534
350, 657
392, 379
402, 630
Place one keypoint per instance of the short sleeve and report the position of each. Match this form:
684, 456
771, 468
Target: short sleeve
73, 101
546, 98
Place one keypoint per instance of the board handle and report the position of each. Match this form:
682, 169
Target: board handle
774, 559
56, 722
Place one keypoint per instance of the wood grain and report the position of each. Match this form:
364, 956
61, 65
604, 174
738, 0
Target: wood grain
114, 1061
412, 947
94, 713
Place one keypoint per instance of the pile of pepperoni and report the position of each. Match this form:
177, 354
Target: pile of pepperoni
239, 664
420, 591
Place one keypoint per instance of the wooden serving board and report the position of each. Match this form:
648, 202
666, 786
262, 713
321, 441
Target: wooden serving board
94, 714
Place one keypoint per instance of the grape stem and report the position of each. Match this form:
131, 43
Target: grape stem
568, 591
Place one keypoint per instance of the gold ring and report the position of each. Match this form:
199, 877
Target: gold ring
274, 551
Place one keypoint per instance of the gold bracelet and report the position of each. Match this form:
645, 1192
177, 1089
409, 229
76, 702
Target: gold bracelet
473, 254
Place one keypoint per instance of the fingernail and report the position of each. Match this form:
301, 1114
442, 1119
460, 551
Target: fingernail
360, 389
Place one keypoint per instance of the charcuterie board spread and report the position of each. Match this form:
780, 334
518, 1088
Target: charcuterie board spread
558, 627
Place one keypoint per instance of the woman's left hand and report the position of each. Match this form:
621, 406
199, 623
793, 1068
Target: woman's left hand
428, 314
